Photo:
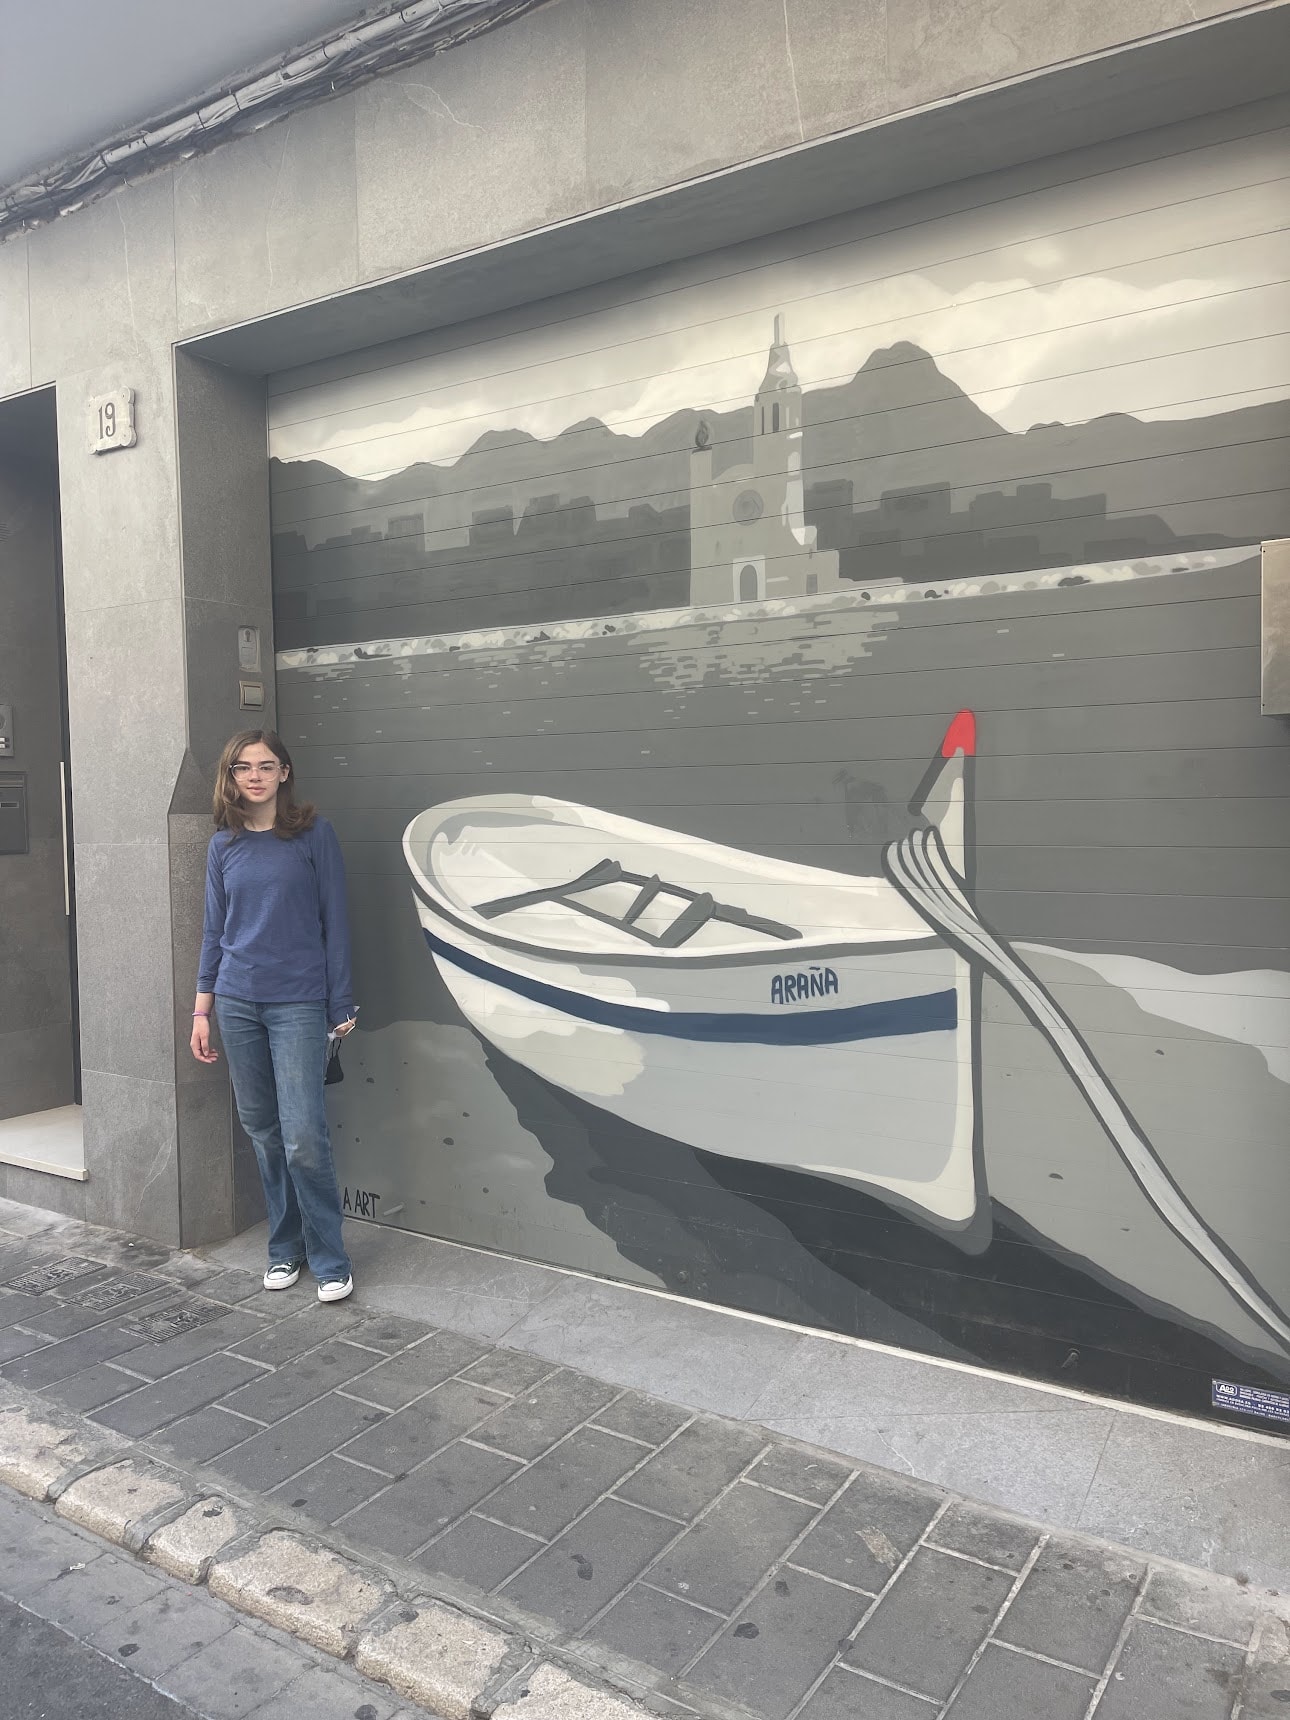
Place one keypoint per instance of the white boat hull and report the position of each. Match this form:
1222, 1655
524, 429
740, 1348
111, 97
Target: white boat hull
842, 1044
891, 1112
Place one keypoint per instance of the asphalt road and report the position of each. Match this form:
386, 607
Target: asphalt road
50, 1676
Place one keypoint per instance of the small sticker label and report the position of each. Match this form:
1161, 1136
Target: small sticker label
1251, 1400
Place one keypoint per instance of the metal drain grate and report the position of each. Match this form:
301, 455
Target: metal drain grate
177, 1317
36, 1280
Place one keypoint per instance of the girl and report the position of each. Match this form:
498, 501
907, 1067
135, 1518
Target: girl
275, 969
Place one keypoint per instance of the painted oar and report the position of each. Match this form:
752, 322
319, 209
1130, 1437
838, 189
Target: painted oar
919, 867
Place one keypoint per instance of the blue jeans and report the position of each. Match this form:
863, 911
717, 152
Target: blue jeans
277, 1055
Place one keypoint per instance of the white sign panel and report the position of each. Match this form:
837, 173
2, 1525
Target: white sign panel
112, 421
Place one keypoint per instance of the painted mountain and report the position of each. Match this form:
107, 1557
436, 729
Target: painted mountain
906, 477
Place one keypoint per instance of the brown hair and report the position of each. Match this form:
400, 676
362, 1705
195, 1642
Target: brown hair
230, 814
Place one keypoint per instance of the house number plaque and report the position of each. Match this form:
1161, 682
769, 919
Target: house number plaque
112, 421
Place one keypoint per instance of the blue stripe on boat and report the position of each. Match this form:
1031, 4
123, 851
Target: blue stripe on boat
933, 1012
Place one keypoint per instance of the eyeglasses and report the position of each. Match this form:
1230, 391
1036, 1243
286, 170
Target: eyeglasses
243, 770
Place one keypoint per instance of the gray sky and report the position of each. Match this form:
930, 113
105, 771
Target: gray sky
73, 72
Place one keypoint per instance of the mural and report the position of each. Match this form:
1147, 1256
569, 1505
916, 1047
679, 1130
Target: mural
617, 638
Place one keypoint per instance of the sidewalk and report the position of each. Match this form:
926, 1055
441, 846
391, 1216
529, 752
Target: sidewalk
697, 1559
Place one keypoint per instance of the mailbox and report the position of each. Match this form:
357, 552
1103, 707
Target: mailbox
13, 814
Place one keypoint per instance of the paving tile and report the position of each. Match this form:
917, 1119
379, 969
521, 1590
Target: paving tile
233, 1286
409, 1375
790, 1469
15, 1307
722, 1558
151, 1407
204, 1435
546, 1497
387, 1333
1163, 1673
478, 1552
658, 1629
768, 1658
645, 1418
509, 1371
1003, 1684
233, 1675
165, 1629
688, 1474
1266, 1691
407, 1514
101, 1592
275, 1453
15, 1342
34, 1549
863, 1536
983, 1535
59, 1319
331, 1693
58, 1361
292, 1335
156, 1360
930, 1623
1200, 1602
92, 1388
1073, 1604
581, 1572
269, 1397
531, 1424
401, 1441
329, 1488
847, 1695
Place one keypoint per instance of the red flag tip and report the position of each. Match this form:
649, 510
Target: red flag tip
960, 736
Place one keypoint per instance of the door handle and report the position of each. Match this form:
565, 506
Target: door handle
62, 815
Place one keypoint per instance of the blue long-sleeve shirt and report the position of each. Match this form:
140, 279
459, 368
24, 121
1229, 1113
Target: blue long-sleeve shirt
276, 927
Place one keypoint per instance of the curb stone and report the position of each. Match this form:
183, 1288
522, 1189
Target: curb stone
306, 1590
41, 1452
185, 1545
553, 1694
112, 1500
427, 1650
434, 1656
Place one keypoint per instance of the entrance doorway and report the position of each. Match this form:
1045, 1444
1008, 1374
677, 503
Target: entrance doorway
40, 1077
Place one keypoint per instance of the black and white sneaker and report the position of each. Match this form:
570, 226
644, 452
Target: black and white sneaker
282, 1276
335, 1289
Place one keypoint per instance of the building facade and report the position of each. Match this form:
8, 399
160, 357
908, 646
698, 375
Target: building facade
760, 528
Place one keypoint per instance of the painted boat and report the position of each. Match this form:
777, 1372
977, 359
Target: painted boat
746, 1006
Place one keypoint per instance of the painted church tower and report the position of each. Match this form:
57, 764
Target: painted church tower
749, 540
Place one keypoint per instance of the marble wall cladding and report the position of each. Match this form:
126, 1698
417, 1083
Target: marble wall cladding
222, 442
37, 1188
126, 699
35, 1069
225, 524
267, 221
15, 317
103, 282
677, 90
122, 892
474, 145
205, 1159
120, 510
938, 48
131, 1155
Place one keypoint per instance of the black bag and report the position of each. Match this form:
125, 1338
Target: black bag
334, 1071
